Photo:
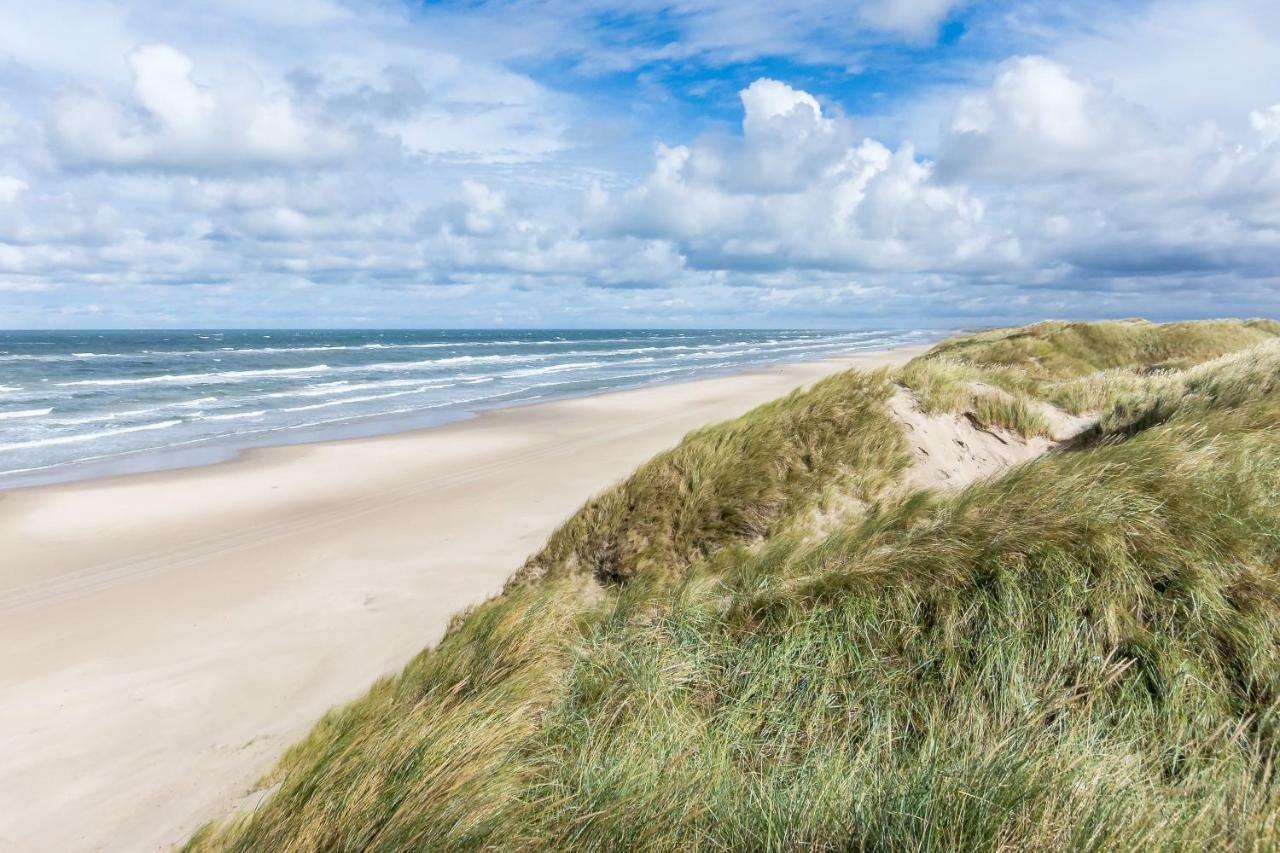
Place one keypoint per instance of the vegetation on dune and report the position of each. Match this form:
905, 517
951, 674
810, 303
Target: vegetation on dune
1061, 350
1081, 654
753, 477
738, 481
1223, 382
993, 397
1005, 377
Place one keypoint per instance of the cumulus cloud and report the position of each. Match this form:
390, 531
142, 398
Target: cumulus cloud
363, 162
1094, 185
797, 190
1045, 180
1037, 117
787, 142
173, 121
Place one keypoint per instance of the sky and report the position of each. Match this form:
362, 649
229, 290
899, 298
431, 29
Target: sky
589, 163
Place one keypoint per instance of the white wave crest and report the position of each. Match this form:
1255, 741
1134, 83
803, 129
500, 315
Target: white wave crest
200, 378
24, 413
86, 436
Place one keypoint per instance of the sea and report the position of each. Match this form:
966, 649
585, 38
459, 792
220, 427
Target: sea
82, 404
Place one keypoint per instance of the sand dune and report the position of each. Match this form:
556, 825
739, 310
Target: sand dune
163, 636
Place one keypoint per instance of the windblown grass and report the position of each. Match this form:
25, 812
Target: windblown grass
447, 738
1229, 381
995, 397
1060, 350
750, 478
1083, 654
1004, 377
735, 482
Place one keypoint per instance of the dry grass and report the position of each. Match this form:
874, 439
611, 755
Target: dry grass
1058, 350
735, 482
995, 397
1004, 377
1083, 654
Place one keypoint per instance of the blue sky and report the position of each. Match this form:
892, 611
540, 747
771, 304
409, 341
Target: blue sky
652, 163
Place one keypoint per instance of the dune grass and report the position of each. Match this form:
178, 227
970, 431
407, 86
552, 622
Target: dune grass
1061, 350
735, 482
994, 397
1006, 377
1082, 654
1225, 381
752, 477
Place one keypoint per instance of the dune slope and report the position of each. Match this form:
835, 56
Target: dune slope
769, 638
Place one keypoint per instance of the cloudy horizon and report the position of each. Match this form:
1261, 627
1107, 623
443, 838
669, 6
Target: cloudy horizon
696, 163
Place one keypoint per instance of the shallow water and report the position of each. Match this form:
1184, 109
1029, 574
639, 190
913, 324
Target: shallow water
68, 399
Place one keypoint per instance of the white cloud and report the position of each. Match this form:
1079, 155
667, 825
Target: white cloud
392, 164
1187, 61
1048, 143
787, 141
481, 209
494, 132
766, 101
1046, 180
915, 18
1267, 124
796, 190
1038, 117
176, 122
11, 188
71, 39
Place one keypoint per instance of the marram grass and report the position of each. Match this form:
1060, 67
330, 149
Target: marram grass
738, 481
1083, 654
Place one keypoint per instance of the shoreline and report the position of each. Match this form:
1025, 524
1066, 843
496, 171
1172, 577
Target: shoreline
207, 452
165, 635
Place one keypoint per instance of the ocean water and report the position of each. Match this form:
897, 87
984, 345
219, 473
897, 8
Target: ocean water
82, 403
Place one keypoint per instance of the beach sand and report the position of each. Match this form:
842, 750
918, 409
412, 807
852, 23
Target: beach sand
164, 636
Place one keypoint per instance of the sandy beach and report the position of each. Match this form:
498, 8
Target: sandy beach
163, 636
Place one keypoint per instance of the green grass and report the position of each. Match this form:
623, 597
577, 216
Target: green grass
1059, 350
1226, 381
1082, 654
995, 397
735, 482
1005, 377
